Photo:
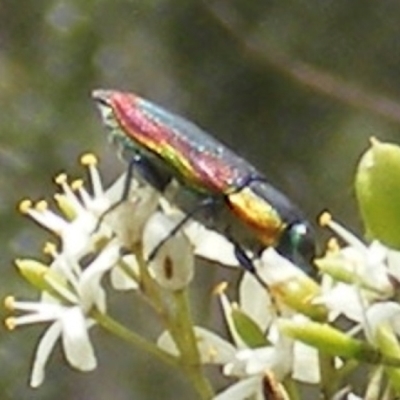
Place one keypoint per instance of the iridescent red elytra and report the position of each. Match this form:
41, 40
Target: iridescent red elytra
175, 146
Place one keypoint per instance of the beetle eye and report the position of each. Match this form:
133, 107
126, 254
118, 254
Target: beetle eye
297, 243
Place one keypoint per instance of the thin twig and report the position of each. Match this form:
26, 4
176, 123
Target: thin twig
306, 74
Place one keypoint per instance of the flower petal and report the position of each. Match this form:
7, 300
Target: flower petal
306, 364
255, 301
380, 313
213, 348
45, 346
242, 390
211, 245
173, 264
76, 343
89, 288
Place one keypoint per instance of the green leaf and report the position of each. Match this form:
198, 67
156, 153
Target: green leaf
248, 330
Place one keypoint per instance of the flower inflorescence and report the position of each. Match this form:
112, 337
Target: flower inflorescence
279, 332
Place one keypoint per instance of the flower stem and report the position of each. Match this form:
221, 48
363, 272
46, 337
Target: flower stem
328, 378
185, 339
132, 338
291, 389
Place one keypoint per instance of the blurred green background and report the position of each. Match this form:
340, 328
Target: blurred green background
296, 87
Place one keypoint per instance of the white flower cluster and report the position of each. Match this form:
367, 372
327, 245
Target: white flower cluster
277, 330
71, 288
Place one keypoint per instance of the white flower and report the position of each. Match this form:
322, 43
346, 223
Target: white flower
343, 299
366, 265
90, 217
277, 358
67, 305
381, 314
365, 272
267, 350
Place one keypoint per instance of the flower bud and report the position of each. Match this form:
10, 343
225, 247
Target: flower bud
377, 186
329, 340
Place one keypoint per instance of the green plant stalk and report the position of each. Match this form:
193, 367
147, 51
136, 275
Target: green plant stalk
132, 338
185, 339
178, 321
328, 376
387, 343
291, 389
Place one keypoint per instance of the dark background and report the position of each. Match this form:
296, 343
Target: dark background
296, 87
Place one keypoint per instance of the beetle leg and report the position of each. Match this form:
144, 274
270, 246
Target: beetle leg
150, 173
201, 205
246, 262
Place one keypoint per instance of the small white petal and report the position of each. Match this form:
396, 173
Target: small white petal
369, 265
120, 280
173, 265
276, 358
166, 343
211, 245
213, 348
241, 390
343, 299
306, 364
255, 301
89, 289
381, 313
76, 343
67, 267
275, 269
76, 238
45, 346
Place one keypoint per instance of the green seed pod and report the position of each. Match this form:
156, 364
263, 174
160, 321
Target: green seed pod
377, 185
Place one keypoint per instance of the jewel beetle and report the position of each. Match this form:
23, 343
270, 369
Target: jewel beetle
164, 146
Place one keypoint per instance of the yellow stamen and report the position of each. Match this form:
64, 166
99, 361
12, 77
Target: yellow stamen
60, 179
18, 261
59, 198
333, 245
24, 206
64, 204
88, 160
50, 249
325, 218
374, 141
77, 184
41, 205
9, 302
220, 288
10, 323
